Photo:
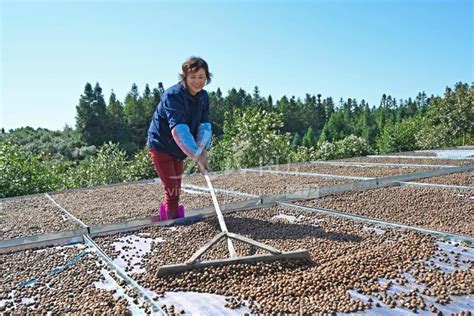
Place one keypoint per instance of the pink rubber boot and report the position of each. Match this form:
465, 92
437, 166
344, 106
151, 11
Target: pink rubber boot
181, 213
163, 212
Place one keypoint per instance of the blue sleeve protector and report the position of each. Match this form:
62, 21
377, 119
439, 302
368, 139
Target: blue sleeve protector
185, 141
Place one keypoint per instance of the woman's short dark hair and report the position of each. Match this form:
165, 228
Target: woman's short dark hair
192, 65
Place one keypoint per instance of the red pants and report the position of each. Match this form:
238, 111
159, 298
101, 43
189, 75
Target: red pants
170, 171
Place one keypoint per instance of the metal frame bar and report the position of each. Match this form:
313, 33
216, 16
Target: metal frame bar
354, 164
360, 218
69, 215
420, 157
307, 174
41, 241
155, 308
105, 186
193, 216
200, 188
75, 236
319, 192
68, 237
434, 185
380, 164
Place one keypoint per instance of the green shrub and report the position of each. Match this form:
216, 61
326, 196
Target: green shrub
326, 151
23, 173
141, 166
399, 137
302, 154
108, 166
251, 138
431, 137
350, 146
353, 146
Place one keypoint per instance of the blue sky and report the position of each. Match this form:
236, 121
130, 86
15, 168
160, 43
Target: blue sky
358, 49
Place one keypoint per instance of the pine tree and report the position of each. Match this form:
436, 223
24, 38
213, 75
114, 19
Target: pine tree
320, 115
257, 100
157, 93
412, 108
115, 108
329, 108
84, 114
119, 131
91, 119
217, 112
291, 110
308, 139
295, 140
336, 128
269, 103
148, 103
137, 117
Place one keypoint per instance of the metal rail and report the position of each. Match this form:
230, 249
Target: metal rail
74, 218
307, 174
360, 218
435, 185
62, 238
230, 192
128, 280
421, 157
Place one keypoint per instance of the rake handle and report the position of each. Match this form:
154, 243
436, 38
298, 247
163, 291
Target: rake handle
220, 217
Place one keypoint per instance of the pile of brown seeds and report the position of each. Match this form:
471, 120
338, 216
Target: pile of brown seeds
31, 216
71, 290
465, 178
439, 209
115, 204
345, 256
357, 171
261, 183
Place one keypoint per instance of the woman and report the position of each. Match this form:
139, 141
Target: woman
180, 128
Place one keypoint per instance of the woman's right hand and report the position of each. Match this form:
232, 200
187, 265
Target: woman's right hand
202, 162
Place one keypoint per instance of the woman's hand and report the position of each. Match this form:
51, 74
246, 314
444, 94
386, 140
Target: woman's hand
202, 162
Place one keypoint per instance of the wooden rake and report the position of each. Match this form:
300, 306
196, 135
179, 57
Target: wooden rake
194, 263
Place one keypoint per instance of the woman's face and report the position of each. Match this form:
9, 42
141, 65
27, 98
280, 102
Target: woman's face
195, 81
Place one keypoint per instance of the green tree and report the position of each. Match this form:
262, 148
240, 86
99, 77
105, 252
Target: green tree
308, 139
336, 128
296, 141
257, 100
329, 108
398, 137
218, 108
91, 118
157, 93
455, 111
137, 117
319, 116
290, 109
269, 106
251, 138
119, 131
